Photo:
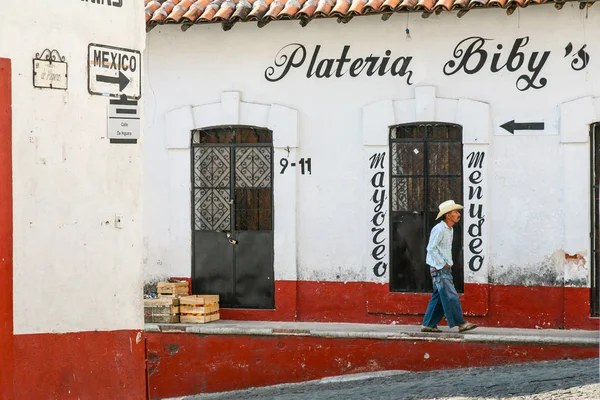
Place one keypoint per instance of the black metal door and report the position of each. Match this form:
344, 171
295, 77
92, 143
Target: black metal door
426, 169
595, 217
232, 180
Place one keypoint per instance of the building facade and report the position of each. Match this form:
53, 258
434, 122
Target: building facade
296, 169
70, 242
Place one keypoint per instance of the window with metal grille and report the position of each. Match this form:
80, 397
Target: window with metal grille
232, 167
426, 170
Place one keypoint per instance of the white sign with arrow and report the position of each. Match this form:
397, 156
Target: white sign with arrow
525, 126
114, 71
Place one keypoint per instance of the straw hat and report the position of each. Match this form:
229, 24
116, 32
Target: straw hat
448, 206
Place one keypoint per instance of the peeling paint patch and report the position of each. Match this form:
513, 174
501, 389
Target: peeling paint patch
172, 348
577, 270
548, 272
347, 273
576, 282
557, 269
153, 362
575, 258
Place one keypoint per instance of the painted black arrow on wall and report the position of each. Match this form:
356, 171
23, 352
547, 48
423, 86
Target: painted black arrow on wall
513, 126
122, 80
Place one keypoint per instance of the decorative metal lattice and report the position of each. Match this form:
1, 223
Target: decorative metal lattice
212, 169
407, 194
232, 179
212, 210
253, 167
212, 166
426, 166
407, 158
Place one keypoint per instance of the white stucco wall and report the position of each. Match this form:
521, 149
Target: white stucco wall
73, 269
536, 186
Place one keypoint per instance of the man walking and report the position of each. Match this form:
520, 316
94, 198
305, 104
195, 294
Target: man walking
444, 300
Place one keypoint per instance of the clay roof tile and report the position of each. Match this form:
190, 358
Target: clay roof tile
259, 9
229, 12
291, 9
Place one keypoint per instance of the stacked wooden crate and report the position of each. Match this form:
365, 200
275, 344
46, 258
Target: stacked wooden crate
172, 290
199, 309
161, 310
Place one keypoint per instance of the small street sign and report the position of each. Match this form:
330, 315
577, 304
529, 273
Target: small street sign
50, 70
123, 121
114, 71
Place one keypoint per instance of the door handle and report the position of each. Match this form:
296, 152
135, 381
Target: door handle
231, 240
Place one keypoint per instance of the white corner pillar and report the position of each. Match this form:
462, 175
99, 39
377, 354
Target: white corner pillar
575, 119
376, 121
178, 126
283, 122
475, 119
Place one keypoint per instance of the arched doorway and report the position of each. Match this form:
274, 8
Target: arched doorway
426, 169
232, 215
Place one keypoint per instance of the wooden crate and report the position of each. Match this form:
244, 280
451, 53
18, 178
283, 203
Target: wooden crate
172, 290
199, 309
161, 310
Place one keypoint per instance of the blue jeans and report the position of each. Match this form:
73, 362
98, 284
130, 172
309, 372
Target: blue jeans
444, 301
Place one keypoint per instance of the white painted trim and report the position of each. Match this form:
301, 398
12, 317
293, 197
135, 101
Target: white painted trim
283, 121
425, 103
576, 116
179, 123
376, 119
475, 119
575, 119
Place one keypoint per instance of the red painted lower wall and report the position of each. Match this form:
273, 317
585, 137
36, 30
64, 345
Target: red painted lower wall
185, 364
285, 306
85, 365
6, 228
487, 305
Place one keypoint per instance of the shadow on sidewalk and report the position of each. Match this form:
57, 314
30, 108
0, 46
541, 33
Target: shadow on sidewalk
571, 379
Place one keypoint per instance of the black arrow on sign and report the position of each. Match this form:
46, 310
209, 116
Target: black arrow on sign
122, 80
513, 126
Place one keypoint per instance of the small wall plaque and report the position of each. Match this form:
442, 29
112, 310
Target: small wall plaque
50, 70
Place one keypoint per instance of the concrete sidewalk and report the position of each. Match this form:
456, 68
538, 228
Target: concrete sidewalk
387, 332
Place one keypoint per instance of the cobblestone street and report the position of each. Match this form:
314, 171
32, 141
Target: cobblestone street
565, 379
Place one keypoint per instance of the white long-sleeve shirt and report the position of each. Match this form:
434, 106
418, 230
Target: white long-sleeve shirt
439, 249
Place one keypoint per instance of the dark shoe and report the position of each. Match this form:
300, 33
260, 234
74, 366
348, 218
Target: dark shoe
430, 329
467, 326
